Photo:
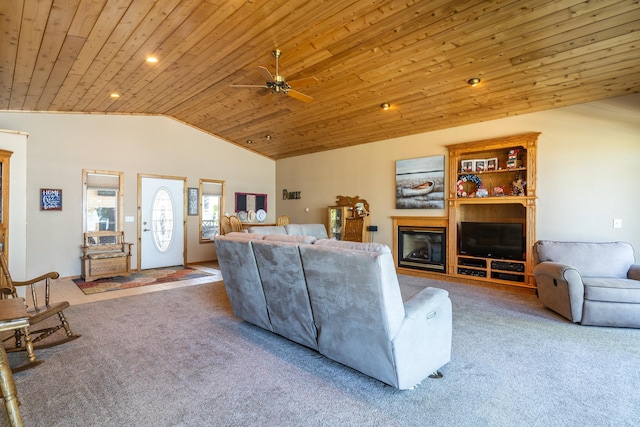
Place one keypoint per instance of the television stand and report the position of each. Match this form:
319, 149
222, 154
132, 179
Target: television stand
493, 181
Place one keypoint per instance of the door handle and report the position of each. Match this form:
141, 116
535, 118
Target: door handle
146, 229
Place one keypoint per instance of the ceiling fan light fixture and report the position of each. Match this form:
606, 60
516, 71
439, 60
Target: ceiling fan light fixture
385, 106
475, 81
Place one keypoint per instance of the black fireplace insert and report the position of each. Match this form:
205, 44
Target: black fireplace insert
422, 248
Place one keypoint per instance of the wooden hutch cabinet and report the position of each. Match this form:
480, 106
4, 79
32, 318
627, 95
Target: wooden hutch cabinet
4, 200
492, 210
349, 219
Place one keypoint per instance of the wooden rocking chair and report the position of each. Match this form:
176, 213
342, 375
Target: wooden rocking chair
37, 314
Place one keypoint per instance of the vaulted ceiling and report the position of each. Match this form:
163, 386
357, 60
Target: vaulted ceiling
533, 55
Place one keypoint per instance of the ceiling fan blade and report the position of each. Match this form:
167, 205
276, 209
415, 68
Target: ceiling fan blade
263, 86
266, 74
307, 81
299, 96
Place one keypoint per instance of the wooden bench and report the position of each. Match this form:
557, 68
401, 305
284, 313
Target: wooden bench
105, 254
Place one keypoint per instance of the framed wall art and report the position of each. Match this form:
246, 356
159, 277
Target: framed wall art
192, 201
50, 199
420, 183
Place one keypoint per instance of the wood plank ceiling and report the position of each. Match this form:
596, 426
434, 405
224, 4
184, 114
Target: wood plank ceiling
531, 55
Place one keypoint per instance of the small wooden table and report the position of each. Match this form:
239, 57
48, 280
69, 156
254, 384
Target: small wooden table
256, 224
13, 316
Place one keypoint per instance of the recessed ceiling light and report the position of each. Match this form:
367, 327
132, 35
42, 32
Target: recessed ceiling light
385, 106
114, 95
474, 81
249, 141
152, 59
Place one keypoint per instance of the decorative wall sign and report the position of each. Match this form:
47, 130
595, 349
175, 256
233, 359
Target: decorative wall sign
420, 183
50, 199
192, 201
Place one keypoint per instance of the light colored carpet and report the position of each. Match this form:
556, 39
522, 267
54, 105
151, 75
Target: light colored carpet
179, 358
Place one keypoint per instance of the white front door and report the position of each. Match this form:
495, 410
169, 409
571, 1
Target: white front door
162, 222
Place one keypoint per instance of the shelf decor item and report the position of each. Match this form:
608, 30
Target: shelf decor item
466, 166
518, 187
468, 178
512, 159
479, 165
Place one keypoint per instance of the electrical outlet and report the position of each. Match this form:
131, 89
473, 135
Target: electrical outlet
617, 223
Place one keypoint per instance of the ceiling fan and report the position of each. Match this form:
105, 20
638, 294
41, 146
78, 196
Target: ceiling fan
278, 84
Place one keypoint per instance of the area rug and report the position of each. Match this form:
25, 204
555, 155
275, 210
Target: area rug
152, 276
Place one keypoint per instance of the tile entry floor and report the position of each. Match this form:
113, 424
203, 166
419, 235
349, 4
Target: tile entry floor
64, 289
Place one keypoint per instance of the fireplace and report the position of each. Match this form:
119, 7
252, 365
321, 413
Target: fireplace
422, 248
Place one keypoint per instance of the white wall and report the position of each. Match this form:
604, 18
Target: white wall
588, 170
61, 145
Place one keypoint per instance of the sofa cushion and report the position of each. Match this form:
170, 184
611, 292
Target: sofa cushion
285, 290
267, 229
287, 238
242, 236
316, 230
611, 290
241, 277
610, 259
357, 307
358, 246
104, 255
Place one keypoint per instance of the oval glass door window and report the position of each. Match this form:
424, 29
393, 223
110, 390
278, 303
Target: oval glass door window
162, 219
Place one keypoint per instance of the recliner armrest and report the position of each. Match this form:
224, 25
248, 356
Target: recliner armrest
424, 303
558, 271
560, 288
634, 272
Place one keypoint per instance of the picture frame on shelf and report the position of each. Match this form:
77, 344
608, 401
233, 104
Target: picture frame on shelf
492, 164
466, 166
479, 165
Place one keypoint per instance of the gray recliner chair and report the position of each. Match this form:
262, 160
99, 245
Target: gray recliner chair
589, 283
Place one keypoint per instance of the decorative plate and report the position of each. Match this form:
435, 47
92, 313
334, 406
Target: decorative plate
242, 216
251, 216
261, 215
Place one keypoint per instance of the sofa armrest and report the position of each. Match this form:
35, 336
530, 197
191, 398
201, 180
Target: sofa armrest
424, 303
560, 288
422, 345
634, 272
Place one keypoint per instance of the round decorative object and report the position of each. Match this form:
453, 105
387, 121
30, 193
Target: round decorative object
261, 215
467, 178
242, 216
251, 216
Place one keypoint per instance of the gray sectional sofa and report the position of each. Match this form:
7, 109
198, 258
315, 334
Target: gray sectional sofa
589, 283
341, 299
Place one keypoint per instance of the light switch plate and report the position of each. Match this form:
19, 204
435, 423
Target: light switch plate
617, 223
128, 219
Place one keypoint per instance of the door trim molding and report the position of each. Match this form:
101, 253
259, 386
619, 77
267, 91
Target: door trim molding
184, 213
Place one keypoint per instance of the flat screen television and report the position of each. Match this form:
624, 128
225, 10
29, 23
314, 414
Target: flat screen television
492, 240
